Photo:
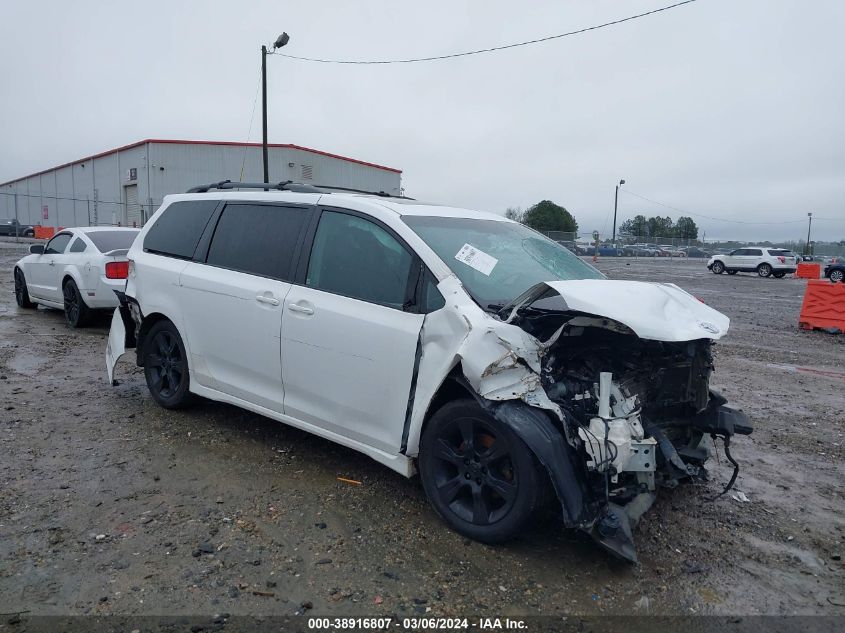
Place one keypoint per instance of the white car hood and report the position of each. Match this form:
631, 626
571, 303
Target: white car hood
655, 311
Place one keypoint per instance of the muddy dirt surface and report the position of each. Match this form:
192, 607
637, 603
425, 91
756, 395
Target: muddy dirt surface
112, 505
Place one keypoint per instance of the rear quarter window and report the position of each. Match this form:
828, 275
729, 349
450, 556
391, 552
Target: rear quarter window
178, 229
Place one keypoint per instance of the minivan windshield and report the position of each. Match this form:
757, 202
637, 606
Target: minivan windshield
497, 261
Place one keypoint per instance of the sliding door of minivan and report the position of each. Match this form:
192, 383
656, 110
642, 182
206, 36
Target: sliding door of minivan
349, 341
233, 300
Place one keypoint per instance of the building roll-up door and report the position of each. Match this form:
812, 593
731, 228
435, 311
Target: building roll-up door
133, 209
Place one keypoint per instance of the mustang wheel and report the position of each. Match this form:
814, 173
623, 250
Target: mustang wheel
764, 270
21, 292
166, 366
478, 475
718, 267
837, 275
77, 314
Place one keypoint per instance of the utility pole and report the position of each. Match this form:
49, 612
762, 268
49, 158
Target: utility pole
280, 41
809, 226
264, 112
615, 205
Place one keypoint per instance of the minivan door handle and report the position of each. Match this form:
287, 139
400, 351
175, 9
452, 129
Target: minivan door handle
269, 299
295, 307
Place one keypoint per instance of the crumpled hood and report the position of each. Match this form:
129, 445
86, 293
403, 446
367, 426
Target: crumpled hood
655, 311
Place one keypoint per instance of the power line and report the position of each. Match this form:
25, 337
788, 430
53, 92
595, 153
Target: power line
483, 50
710, 217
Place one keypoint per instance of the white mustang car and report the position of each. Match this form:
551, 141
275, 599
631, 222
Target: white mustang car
444, 341
77, 271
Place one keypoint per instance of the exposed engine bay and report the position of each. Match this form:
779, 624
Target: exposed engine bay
638, 414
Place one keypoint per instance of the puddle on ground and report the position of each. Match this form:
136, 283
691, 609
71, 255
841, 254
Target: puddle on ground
27, 364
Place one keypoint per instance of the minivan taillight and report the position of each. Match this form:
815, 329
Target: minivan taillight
117, 270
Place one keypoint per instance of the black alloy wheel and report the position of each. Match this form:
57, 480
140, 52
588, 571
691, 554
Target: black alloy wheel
77, 314
21, 292
166, 366
478, 475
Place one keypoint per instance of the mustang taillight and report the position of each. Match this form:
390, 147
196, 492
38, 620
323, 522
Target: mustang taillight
117, 270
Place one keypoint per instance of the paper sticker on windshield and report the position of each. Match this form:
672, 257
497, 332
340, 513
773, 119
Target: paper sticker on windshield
481, 261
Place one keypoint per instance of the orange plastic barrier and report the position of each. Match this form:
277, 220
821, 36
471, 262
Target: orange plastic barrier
824, 305
808, 271
44, 232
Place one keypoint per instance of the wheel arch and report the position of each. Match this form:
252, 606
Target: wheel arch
540, 433
147, 323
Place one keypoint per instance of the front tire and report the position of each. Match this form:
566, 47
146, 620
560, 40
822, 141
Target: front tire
77, 314
718, 268
166, 366
478, 475
764, 270
21, 291
837, 275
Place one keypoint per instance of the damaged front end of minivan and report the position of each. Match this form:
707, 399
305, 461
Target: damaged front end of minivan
607, 382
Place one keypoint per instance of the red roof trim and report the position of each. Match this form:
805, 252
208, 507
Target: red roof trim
186, 142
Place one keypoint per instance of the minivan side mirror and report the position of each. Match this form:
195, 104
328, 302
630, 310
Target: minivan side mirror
37, 249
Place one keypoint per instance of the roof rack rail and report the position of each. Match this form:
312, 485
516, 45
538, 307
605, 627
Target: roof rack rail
287, 185
380, 194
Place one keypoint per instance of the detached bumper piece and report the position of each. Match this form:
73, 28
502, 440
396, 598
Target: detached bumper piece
614, 529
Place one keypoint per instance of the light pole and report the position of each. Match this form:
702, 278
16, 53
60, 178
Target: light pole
809, 226
280, 41
615, 205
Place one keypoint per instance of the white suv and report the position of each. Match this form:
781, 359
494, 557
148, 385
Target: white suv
763, 260
449, 342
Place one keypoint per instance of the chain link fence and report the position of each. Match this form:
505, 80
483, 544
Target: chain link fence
640, 246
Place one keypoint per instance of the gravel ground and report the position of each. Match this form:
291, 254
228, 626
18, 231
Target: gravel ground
111, 505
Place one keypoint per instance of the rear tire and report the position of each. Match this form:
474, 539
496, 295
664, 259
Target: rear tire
77, 314
718, 268
166, 366
764, 270
837, 275
21, 291
779, 275
479, 476
732, 272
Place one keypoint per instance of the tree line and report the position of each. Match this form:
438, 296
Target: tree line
548, 216
656, 226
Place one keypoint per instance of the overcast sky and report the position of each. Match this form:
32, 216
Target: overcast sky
733, 109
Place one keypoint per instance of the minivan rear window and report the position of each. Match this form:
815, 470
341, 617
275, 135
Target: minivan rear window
178, 230
259, 239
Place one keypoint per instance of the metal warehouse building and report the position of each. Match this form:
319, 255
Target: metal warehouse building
126, 185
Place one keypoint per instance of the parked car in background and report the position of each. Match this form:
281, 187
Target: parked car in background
10, 226
763, 260
77, 271
835, 271
694, 251
572, 247
452, 343
639, 250
605, 250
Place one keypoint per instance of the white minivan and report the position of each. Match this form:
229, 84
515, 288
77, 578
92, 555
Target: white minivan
447, 342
